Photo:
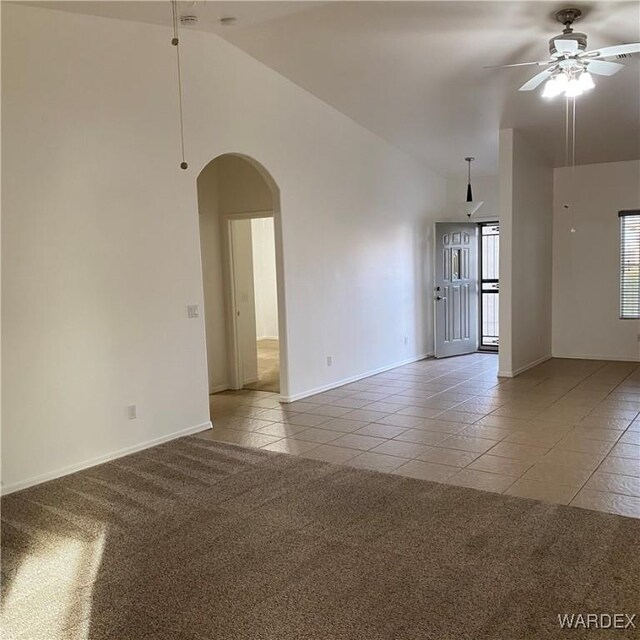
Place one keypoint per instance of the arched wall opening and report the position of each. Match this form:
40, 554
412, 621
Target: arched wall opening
239, 215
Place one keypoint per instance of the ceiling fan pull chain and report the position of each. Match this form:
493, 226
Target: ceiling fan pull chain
573, 164
570, 203
570, 159
175, 41
573, 137
566, 132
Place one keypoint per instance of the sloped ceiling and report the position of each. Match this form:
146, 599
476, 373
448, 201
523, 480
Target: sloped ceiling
412, 72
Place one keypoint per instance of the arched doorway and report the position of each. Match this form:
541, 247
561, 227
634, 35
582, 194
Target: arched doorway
242, 269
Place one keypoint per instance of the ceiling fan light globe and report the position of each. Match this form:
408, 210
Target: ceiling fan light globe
562, 80
586, 81
573, 89
551, 89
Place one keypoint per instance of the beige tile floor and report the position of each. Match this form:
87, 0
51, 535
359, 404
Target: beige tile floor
567, 431
268, 367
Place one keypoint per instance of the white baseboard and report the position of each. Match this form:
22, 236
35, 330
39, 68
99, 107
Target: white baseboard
360, 376
530, 365
219, 388
64, 471
574, 356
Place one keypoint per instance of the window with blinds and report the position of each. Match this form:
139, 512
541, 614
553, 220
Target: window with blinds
629, 263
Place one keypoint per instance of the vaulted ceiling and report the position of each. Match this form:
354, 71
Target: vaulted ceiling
412, 72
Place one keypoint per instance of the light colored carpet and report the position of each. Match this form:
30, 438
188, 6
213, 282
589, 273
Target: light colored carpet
268, 367
197, 540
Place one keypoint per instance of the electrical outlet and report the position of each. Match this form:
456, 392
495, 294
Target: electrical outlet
193, 311
132, 411
329, 361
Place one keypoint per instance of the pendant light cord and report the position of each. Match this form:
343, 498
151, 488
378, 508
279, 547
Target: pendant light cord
176, 43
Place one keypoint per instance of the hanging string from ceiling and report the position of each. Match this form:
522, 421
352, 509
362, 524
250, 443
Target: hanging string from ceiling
570, 154
573, 162
175, 41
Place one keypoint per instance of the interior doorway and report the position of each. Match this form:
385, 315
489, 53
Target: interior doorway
242, 267
256, 300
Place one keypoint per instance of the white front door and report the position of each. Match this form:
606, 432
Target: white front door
456, 289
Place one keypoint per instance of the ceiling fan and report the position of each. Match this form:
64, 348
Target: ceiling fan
570, 65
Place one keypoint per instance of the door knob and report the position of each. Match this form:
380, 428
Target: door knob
438, 297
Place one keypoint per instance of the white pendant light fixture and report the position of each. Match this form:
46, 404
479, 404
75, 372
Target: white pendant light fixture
469, 207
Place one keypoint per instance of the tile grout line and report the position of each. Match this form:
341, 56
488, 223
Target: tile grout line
412, 382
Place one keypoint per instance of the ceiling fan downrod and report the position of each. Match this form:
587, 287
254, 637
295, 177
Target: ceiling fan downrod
567, 17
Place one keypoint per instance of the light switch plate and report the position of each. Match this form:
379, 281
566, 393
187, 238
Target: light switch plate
193, 311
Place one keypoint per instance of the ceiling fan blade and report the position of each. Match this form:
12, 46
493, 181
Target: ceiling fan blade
536, 81
569, 47
520, 64
603, 68
618, 50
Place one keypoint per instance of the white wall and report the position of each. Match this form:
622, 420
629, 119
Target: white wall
241, 189
213, 276
586, 264
264, 278
101, 238
526, 220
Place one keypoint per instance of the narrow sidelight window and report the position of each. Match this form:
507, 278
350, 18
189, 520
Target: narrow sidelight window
489, 285
629, 263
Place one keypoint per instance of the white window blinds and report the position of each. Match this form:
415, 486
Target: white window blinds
630, 263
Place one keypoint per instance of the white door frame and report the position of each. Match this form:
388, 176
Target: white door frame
236, 378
